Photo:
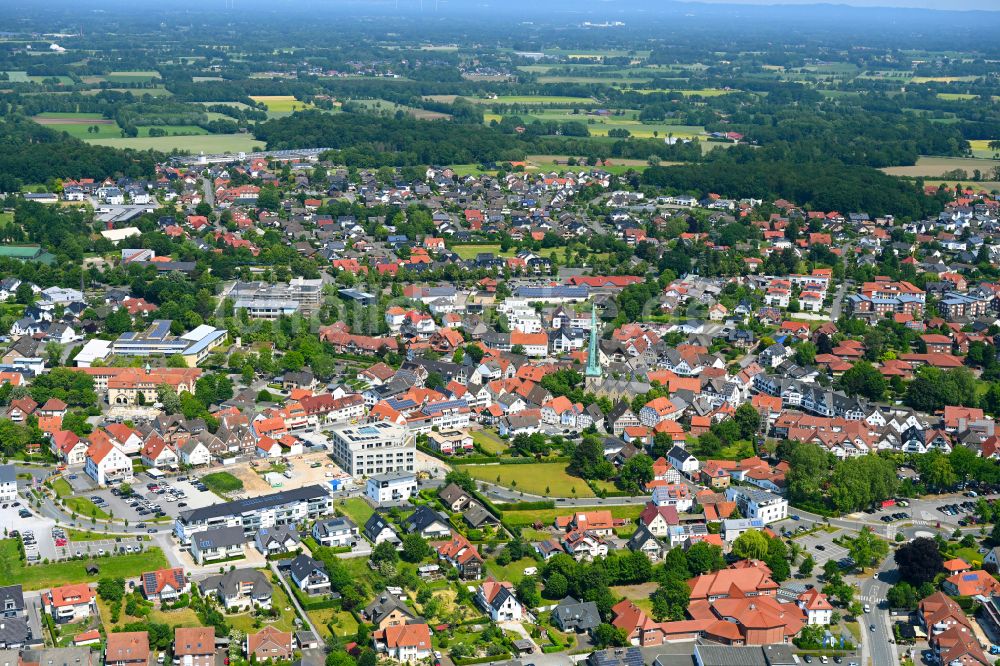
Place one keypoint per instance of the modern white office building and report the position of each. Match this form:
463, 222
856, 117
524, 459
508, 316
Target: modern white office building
373, 448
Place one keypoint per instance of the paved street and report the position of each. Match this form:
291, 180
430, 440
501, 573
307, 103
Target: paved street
877, 642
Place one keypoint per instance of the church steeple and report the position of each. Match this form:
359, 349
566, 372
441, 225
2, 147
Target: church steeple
593, 356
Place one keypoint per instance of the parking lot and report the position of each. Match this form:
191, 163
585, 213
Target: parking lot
65, 547
39, 527
820, 545
170, 497
927, 510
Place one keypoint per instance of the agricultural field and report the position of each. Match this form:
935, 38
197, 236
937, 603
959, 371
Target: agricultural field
934, 167
981, 148
80, 125
42, 576
544, 479
382, 105
207, 143
281, 104
131, 77
537, 99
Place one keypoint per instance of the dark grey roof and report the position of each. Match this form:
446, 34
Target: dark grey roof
423, 518
304, 566
228, 584
14, 632
218, 537
13, 594
384, 604
375, 524
477, 515
238, 507
576, 614
452, 493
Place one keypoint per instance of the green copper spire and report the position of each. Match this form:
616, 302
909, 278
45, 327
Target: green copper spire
593, 358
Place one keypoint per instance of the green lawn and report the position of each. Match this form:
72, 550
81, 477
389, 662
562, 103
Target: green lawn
547, 516
41, 576
489, 441
279, 599
82, 535
341, 622
470, 251
356, 509
513, 572
62, 487
207, 143
85, 508
546, 479
222, 482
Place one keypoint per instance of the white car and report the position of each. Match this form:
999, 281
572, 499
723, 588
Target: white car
100, 552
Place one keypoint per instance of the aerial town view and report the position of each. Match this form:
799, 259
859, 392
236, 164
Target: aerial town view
442, 333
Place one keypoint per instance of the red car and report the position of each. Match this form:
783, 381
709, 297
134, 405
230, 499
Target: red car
60, 542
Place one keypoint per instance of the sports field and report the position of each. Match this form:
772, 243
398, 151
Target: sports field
545, 479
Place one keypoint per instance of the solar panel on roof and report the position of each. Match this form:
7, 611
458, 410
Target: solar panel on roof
970, 576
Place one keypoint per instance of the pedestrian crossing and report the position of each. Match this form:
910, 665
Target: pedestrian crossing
871, 598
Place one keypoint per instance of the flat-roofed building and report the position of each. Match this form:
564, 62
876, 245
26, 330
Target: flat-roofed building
373, 448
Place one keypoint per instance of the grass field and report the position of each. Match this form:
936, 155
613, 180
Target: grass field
208, 143
490, 441
547, 516
380, 105
546, 479
281, 103
356, 509
981, 148
513, 572
956, 97
941, 79
132, 77
930, 167
222, 482
704, 92
341, 622
470, 251
62, 487
537, 99
85, 508
41, 576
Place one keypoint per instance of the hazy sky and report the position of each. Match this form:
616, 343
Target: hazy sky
992, 5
